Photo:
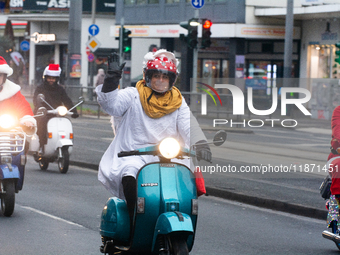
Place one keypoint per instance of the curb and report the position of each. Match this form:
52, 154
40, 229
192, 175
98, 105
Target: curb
269, 203
276, 205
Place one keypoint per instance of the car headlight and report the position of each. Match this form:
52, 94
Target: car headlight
7, 121
62, 110
169, 148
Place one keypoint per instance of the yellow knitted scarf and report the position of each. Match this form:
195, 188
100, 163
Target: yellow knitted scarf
155, 107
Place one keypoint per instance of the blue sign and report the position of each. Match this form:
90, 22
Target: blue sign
24, 45
198, 4
93, 29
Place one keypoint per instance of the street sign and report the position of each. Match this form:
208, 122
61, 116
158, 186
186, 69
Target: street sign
198, 4
90, 57
87, 50
93, 44
24, 45
93, 29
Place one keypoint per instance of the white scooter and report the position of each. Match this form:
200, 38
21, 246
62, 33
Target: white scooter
60, 138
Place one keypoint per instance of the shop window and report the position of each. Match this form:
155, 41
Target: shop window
129, 2
172, 1
321, 61
153, 1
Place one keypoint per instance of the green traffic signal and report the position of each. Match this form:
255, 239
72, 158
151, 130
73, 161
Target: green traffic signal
126, 40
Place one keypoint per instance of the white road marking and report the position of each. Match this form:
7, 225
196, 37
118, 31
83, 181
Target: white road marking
51, 216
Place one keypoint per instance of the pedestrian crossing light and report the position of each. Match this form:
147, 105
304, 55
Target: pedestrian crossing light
337, 53
191, 25
206, 25
126, 40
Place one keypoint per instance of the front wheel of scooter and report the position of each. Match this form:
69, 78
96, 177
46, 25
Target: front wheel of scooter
179, 246
8, 199
64, 162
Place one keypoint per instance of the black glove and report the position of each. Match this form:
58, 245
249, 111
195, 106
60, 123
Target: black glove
203, 151
113, 74
75, 115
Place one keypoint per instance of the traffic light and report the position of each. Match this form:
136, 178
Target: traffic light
206, 42
337, 53
191, 26
126, 40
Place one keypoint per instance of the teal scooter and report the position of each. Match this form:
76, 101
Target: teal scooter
166, 210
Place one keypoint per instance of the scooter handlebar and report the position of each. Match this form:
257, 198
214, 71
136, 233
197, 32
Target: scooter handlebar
128, 153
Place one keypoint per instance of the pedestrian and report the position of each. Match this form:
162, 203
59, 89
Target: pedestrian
55, 95
99, 79
149, 112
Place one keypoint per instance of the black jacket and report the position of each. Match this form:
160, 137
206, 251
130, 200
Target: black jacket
54, 95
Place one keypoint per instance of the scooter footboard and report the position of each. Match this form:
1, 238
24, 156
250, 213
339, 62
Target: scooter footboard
115, 222
171, 222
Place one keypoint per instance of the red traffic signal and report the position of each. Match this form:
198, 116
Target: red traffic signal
207, 24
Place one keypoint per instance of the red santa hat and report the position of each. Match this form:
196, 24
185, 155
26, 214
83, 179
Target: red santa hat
53, 70
4, 68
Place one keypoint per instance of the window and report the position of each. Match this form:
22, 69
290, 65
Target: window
141, 1
129, 2
172, 1
153, 1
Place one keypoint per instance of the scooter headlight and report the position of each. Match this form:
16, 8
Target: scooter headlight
62, 110
169, 148
7, 121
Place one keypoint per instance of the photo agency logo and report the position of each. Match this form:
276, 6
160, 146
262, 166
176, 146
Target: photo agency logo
239, 105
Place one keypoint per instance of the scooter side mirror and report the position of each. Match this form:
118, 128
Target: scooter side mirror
41, 112
220, 137
41, 98
81, 99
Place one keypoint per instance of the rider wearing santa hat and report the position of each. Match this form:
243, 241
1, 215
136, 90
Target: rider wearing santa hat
55, 95
11, 100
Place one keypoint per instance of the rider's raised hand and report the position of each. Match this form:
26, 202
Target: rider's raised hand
113, 64
114, 73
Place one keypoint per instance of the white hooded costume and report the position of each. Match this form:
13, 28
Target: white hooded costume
137, 130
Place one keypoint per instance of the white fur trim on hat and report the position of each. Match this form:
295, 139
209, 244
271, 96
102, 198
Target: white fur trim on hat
4, 68
54, 73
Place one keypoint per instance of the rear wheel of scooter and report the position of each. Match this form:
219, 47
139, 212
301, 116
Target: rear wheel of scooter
64, 162
179, 246
43, 164
8, 199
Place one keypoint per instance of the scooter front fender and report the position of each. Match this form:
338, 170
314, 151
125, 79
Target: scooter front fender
171, 222
63, 142
6, 173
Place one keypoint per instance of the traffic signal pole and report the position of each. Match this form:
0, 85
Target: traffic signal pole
195, 59
121, 40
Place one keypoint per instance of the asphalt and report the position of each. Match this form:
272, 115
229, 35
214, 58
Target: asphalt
293, 194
